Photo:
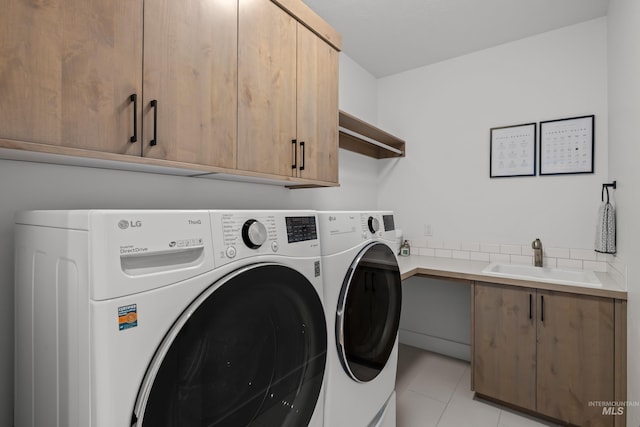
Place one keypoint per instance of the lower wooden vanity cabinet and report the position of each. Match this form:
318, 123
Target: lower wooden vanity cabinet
549, 352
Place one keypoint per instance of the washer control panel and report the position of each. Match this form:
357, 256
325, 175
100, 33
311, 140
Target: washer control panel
240, 234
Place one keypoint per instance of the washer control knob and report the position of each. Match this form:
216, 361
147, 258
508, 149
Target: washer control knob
254, 233
373, 224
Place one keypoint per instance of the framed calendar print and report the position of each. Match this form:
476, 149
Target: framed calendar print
566, 146
512, 151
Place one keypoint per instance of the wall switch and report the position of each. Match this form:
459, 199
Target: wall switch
428, 230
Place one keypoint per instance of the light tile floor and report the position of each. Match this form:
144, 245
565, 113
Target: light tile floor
434, 390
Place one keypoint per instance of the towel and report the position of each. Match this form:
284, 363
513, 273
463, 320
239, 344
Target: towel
606, 229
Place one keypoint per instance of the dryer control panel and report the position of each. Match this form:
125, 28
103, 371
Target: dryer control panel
241, 234
342, 230
377, 224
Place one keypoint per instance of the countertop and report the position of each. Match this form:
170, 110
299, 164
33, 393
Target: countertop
456, 269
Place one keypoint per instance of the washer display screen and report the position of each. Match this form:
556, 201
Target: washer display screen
301, 228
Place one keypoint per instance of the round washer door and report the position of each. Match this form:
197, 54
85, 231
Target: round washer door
249, 351
369, 312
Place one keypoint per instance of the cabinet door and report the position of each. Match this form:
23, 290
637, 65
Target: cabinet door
67, 70
267, 88
504, 357
190, 62
575, 357
317, 107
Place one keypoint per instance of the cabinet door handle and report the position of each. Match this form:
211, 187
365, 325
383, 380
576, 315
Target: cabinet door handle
542, 308
154, 105
302, 148
530, 306
295, 154
134, 98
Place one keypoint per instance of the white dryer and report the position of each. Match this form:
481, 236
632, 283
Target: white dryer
169, 318
363, 289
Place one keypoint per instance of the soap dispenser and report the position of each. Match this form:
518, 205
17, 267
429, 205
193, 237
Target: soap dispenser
405, 249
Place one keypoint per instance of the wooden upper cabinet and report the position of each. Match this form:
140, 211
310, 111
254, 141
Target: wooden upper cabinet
67, 70
248, 87
504, 357
317, 107
190, 70
267, 88
288, 96
575, 357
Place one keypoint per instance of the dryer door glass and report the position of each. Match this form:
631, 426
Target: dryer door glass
250, 351
369, 312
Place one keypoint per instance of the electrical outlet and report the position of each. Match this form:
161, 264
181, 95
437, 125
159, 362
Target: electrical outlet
428, 231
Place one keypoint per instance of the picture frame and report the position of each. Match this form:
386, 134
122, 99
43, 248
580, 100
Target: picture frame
512, 151
567, 146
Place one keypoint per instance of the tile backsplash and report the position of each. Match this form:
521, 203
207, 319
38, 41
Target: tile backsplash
573, 258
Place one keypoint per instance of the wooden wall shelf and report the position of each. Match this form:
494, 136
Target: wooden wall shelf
359, 136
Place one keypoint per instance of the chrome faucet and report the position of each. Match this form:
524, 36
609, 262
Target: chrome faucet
537, 252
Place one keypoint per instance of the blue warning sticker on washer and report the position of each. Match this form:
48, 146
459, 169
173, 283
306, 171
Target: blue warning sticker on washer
127, 316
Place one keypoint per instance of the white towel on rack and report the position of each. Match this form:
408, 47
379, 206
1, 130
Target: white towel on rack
606, 229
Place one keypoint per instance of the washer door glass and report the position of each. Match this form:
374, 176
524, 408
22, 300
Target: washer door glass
249, 351
369, 312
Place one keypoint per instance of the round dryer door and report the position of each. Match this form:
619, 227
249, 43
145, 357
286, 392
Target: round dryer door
369, 312
249, 351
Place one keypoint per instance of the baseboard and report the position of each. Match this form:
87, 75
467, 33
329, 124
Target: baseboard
436, 345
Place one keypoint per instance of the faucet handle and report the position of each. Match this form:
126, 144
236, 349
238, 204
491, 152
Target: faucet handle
536, 244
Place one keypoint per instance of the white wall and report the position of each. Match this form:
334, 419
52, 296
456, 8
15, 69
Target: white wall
40, 186
445, 111
358, 91
624, 152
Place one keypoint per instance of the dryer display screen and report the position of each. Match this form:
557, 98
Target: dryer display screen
301, 228
387, 220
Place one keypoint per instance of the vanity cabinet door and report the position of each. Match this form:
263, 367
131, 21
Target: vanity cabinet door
575, 357
68, 69
504, 354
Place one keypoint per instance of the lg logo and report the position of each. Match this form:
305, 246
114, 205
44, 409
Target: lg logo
123, 224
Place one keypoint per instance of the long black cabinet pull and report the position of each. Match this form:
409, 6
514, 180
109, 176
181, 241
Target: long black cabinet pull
295, 154
134, 98
542, 308
154, 105
303, 151
530, 306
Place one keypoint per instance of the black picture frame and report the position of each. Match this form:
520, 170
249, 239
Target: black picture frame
567, 146
512, 151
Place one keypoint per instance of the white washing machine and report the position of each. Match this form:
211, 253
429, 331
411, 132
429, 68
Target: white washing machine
169, 318
364, 290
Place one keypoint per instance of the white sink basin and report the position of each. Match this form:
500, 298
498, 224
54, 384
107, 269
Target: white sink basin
544, 274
